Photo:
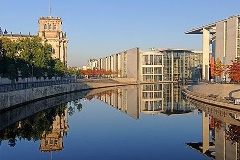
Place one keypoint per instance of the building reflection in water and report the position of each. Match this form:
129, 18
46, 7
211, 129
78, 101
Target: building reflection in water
48, 126
53, 140
162, 98
220, 133
51, 125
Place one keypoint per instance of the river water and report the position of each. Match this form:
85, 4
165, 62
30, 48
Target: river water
130, 122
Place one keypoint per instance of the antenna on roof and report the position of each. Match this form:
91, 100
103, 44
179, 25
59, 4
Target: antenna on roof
50, 9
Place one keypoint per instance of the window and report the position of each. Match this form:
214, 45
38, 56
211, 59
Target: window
45, 26
147, 78
157, 78
157, 60
49, 26
147, 70
157, 87
157, 95
147, 87
53, 50
157, 70
147, 95
54, 27
148, 106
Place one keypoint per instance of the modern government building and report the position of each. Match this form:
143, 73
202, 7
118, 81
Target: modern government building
222, 38
156, 65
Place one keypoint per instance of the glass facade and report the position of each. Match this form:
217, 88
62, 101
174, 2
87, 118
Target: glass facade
152, 97
152, 67
180, 65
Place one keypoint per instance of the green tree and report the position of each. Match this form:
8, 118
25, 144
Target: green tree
12, 72
60, 68
9, 46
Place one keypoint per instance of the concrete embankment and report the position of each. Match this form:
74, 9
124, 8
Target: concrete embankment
16, 114
221, 92
13, 98
102, 83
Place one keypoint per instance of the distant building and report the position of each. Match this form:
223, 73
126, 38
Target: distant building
224, 37
153, 66
50, 30
92, 63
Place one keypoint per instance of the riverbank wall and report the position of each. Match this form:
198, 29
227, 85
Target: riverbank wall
14, 98
222, 95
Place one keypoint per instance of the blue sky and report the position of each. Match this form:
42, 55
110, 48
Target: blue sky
98, 28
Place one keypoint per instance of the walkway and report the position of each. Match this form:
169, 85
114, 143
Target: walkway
214, 94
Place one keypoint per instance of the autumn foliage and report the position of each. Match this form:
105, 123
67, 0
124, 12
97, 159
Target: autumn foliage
99, 72
234, 71
233, 133
218, 68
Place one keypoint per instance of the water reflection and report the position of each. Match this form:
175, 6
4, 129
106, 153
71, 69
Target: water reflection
45, 120
50, 125
53, 140
220, 132
146, 99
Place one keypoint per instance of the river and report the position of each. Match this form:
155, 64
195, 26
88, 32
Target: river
150, 121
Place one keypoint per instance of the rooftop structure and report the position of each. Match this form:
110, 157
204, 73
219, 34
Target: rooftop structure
224, 36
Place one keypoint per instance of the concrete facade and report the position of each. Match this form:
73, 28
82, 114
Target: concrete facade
224, 36
156, 65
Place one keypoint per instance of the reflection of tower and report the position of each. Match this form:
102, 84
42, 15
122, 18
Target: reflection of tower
53, 140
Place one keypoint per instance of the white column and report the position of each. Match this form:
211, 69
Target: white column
206, 48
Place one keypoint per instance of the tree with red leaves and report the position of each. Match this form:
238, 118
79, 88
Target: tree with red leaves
234, 71
233, 133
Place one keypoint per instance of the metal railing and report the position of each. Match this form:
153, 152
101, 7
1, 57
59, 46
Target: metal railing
21, 86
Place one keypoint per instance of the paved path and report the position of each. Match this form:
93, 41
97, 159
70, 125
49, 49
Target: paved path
201, 93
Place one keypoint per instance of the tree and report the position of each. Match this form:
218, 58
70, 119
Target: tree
60, 68
233, 133
218, 68
9, 46
12, 73
234, 71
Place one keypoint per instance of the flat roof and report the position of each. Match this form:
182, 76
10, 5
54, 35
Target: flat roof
49, 18
208, 26
17, 35
173, 49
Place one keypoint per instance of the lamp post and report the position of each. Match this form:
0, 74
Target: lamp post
32, 72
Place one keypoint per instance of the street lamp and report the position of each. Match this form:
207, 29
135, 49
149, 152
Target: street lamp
32, 72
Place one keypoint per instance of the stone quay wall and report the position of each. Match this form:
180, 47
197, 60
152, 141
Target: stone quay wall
222, 94
14, 98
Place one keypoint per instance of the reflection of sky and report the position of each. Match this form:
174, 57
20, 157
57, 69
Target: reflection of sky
102, 132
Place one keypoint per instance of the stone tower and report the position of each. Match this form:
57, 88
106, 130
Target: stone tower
50, 30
